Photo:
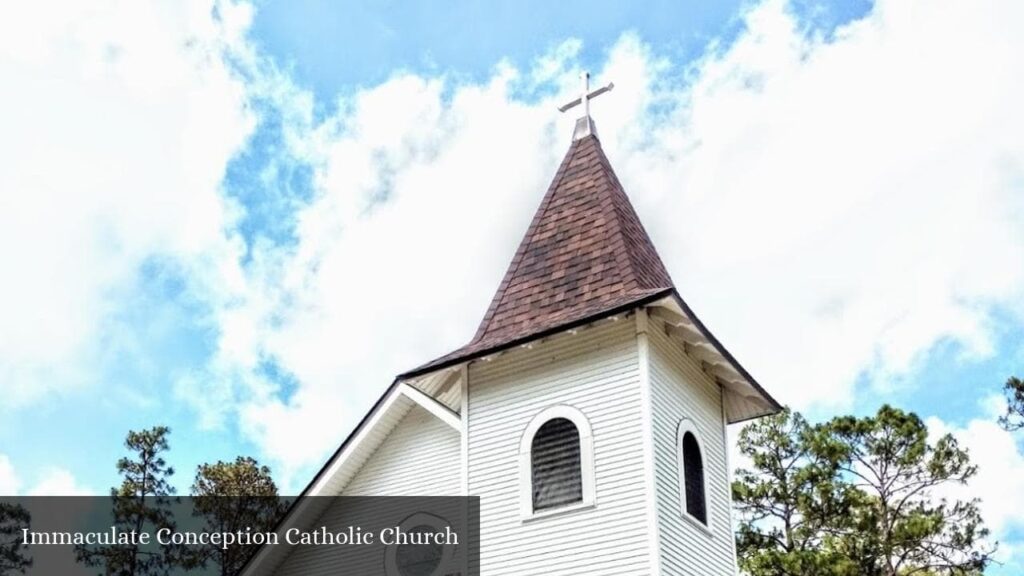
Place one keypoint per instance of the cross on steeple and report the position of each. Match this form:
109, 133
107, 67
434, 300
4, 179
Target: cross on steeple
585, 125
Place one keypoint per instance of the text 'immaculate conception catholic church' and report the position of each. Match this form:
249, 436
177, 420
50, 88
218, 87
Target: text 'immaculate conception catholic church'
588, 413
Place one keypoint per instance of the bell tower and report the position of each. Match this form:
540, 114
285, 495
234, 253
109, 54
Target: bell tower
588, 412
595, 402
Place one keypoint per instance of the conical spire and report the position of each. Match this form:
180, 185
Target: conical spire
585, 254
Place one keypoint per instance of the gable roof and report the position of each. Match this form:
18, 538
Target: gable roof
584, 254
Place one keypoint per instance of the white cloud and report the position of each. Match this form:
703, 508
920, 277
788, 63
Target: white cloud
387, 271
831, 207
59, 482
993, 406
9, 481
836, 207
999, 482
52, 482
119, 119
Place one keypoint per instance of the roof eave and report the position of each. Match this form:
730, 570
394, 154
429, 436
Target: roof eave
774, 404
501, 347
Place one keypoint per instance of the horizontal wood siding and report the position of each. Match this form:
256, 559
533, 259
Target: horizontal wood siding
421, 457
595, 371
681, 390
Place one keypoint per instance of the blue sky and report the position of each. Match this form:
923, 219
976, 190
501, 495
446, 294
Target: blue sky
333, 50
265, 211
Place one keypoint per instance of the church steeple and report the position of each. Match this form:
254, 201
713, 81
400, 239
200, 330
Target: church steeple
621, 426
585, 254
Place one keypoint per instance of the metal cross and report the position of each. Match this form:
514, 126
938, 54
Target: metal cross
587, 95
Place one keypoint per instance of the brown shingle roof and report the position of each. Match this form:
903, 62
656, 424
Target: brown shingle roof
584, 254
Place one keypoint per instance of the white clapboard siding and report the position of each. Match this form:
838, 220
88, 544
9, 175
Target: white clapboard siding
681, 390
595, 371
421, 457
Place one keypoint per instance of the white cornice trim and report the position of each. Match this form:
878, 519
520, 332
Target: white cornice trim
446, 414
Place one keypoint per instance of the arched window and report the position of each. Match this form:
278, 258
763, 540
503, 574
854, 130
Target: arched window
556, 460
693, 487
555, 465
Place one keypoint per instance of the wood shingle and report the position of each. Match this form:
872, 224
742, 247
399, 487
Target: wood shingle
585, 253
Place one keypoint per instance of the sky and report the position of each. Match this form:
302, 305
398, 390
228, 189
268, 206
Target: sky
241, 220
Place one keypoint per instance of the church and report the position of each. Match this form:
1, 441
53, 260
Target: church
588, 413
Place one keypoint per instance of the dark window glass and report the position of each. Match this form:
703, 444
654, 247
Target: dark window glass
555, 462
418, 559
693, 473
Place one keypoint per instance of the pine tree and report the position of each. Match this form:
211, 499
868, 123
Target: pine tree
1013, 420
789, 502
142, 503
855, 496
902, 524
13, 518
231, 497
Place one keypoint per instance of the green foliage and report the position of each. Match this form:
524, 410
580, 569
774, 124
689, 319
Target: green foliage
1014, 418
855, 496
787, 501
231, 497
141, 503
902, 524
13, 518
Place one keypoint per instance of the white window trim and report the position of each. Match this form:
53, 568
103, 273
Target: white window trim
687, 425
445, 566
586, 461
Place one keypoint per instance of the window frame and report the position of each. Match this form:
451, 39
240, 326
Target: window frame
586, 437
445, 564
686, 426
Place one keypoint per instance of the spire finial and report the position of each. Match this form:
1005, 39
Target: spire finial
585, 125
